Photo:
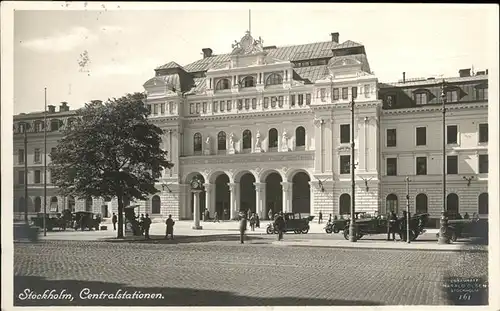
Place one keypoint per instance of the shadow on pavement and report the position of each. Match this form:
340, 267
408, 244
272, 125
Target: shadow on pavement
170, 296
184, 239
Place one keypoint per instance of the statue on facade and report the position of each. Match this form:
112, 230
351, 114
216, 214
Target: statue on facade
207, 146
284, 141
257, 142
231, 143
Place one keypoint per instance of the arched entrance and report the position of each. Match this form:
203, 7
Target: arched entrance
274, 193
452, 205
391, 203
155, 205
202, 197
421, 204
345, 204
247, 193
301, 193
222, 197
38, 204
483, 204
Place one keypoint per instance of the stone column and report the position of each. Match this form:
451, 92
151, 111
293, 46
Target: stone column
233, 199
260, 199
287, 192
314, 185
209, 202
196, 213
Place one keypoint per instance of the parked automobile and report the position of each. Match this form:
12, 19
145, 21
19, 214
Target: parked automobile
87, 220
339, 224
293, 222
52, 220
467, 228
378, 225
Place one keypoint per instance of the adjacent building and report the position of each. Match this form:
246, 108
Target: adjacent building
269, 128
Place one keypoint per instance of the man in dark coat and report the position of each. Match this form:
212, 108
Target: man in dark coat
320, 217
279, 222
114, 219
146, 224
243, 227
393, 225
170, 227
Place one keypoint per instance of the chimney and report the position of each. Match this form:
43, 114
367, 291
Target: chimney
404, 77
207, 52
480, 73
63, 107
486, 71
52, 108
335, 37
464, 72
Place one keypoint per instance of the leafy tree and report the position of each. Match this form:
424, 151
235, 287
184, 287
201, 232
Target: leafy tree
110, 150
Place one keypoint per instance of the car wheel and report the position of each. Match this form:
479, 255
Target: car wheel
328, 231
336, 230
453, 237
305, 230
269, 230
346, 234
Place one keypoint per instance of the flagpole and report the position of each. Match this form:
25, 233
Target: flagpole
45, 166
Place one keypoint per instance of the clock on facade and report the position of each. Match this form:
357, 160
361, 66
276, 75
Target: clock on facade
195, 184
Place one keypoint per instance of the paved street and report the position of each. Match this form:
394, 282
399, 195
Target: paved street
197, 272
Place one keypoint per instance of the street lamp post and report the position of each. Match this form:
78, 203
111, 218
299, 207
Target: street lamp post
352, 225
443, 222
45, 166
25, 173
407, 209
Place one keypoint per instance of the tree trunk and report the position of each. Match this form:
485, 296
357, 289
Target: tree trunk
120, 217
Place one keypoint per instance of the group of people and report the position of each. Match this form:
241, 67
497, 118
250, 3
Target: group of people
144, 224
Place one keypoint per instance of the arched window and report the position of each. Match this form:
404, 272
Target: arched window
345, 204
483, 204
274, 79
155, 205
38, 204
300, 137
391, 203
452, 205
421, 204
247, 139
222, 84
221, 141
273, 138
248, 81
88, 204
22, 204
54, 206
197, 142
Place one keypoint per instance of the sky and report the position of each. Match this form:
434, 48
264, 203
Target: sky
125, 45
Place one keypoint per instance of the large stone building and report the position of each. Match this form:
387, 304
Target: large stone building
268, 127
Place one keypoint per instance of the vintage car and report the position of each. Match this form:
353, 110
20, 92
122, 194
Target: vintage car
339, 224
467, 228
379, 224
52, 220
87, 220
293, 222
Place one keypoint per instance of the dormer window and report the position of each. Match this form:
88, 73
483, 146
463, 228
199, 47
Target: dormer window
390, 101
452, 96
421, 98
481, 92
248, 81
274, 79
222, 84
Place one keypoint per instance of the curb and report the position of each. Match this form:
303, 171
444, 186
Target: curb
481, 249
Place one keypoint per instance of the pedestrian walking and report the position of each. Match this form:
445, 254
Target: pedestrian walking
114, 220
320, 218
257, 221
252, 222
279, 222
146, 224
170, 227
330, 218
402, 227
216, 217
225, 214
392, 226
466, 215
270, 214
141, 224
243, 227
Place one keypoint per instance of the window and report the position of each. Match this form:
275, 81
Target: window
345, 94
300, 137
38, 126
301, 99
483, 133
155, 109
38, 177
367, 90
53, 150
391, 203
308, 99
451, 134
273, 101
149, 108
420, 98
280, 101
20, 177
197, 142
89, 203
345, 164
247, 103
205, 107
20, 156
170, 107
274, 79
322, 93
452, 96
38, 204
266, 102
37, 158
421, 204
273, 138
392, 166
421, 166
452, 165
222, 84
247, 139
191, 108
240, 104
221, 141
354, 92
452, 205
162, 108
483, 164
482, 93
483, 204
155, 205
254, 102
391, 138
345, 133
216, 106
336, 95
228, 106
54, 125
292, 100
198, 106
248, 81
421, 136
390, 101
